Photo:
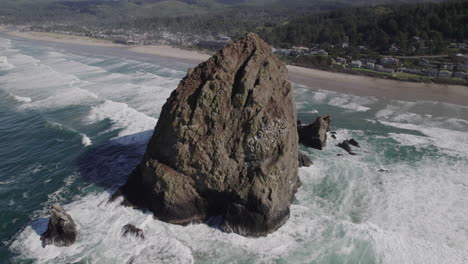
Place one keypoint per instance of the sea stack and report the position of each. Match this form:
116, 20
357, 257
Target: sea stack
61, 229
225, 144
314, 135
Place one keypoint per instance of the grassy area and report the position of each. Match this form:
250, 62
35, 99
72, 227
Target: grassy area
411, 77
371, 72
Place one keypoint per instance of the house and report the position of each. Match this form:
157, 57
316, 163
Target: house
410, 71
356, 64
284, 52
461, 75
430, 72
381, 68
341, 60
394, 48
301, 50
224, 38
370, 65
445, 74
389, 61
322, 52
423, 62
345, 45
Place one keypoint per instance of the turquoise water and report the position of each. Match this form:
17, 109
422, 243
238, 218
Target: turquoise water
75, 121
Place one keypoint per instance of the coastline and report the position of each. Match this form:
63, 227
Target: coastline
312, 78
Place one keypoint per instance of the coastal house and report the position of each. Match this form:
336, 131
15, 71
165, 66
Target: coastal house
356, 64
411, 71
381, 68
430, 72
322, 53
370, 65
461, 75
445, 74
284, 52
341, 60
394, 48
389, 61
423, 62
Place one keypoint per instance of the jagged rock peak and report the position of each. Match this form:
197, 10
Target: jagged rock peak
225, 144
61, 229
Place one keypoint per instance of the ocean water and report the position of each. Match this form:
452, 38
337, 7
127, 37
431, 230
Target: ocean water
75, 121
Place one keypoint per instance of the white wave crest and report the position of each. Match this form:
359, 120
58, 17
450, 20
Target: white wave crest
86, 140
5, 65
127, 120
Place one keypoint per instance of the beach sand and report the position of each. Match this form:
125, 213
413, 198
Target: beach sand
168, 51
68, 39
312, 78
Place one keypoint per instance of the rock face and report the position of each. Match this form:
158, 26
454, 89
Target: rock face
315, 134
354, 143
61, 230
345, 145
304, 161
130, 229
225, 145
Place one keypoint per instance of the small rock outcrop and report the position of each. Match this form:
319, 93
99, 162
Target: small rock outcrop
61, 230
345, 145
304, 160
315, 135
131, 230
354, 143
225, 145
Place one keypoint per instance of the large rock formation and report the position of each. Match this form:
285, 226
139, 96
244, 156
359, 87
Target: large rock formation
225, 144
315, 135
61, 230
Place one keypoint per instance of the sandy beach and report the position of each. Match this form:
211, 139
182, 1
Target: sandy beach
68, 39
312, 78
168, 51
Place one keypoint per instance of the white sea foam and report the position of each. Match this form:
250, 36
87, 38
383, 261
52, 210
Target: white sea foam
67, 97
127, 120
86, 141
5, 65
448, 141
21, 99
354, 103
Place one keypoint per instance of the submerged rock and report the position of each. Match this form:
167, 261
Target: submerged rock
345, 145
132, 230
304, 160
315, 135
225, 144
61, 230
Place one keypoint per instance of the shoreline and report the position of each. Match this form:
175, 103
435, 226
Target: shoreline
311, 78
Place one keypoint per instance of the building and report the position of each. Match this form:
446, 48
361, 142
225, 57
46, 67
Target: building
389, 61
423, 62
381, 68
370, 65
445, 74
356, 64
322, 52
430, 73
411, 71
461, 75
341, 60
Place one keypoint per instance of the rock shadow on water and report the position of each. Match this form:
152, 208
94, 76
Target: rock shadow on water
40, 225
108, 165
